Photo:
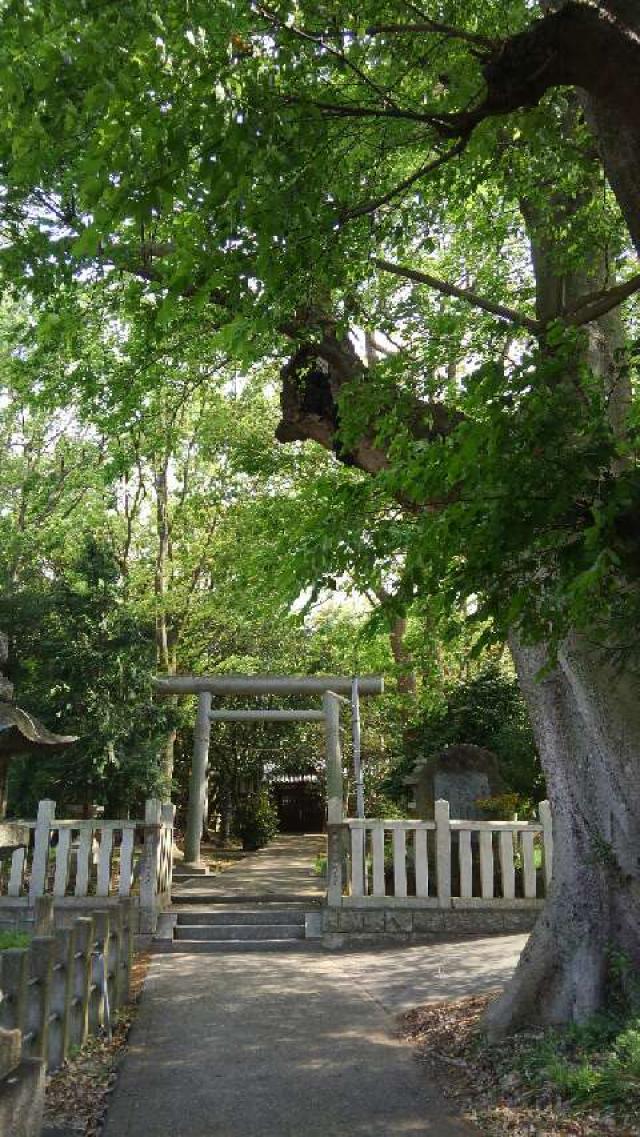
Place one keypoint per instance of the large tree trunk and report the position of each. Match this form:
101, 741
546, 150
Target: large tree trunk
586, 718
406, 680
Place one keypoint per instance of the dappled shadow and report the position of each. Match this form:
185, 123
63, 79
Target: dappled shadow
284, 868
279, 1046
403, 977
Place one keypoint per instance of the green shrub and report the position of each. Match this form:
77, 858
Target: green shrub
13, 939
255, 821
503, 807
593, 1064
486, 710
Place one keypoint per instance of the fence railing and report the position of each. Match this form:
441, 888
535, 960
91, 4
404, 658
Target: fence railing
68, 983
442, 863
93, 859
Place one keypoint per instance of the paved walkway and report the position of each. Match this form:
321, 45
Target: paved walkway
296, 1044
269, 1045
284, 869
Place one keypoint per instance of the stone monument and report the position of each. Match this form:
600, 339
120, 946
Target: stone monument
461, 774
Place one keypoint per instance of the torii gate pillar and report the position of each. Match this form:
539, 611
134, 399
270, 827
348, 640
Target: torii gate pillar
198, 781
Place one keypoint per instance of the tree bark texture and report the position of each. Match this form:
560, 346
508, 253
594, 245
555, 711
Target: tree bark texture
406, 681
586, 719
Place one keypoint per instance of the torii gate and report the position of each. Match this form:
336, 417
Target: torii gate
333, 689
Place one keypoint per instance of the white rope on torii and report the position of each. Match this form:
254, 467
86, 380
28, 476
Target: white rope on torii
332, 688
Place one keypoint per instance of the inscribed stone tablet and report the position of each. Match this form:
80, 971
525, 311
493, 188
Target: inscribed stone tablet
461, 790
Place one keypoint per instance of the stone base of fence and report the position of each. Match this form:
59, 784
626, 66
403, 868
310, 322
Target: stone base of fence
17, 915
345, 927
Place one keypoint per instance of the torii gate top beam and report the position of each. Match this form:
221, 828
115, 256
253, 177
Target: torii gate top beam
265, 684
266, 716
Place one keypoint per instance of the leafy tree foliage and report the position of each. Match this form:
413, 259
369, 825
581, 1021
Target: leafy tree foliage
83, 664
486, 710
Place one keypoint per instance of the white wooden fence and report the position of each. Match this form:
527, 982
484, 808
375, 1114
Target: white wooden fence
443, 863
81, 861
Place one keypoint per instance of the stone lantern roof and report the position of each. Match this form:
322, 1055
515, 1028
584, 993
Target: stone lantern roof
21, 732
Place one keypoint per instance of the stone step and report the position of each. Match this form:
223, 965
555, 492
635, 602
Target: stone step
280, 932
242, 916
213, 947
242, 899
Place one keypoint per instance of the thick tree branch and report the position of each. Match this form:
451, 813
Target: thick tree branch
587, 309
583, 44
354, 110
435, 26
312, 382
597, 304
593, 45
501, 310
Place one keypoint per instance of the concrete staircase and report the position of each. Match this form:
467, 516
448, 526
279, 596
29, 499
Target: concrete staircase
239, 928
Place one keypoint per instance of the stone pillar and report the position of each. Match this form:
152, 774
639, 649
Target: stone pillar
149, 866
335, 807
198, 782
331, 707
443, 852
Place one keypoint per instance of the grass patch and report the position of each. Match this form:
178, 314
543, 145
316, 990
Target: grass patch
320, 865
596, 1064
581, 1080
14, 939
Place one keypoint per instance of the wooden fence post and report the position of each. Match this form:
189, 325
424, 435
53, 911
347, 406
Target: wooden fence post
544, 813
126, 955
443, 852
61, 996
149, 866
43, 921
10, 1052
14, 973
81, 986
40, 864
36, 1032
127, 846
99, 980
